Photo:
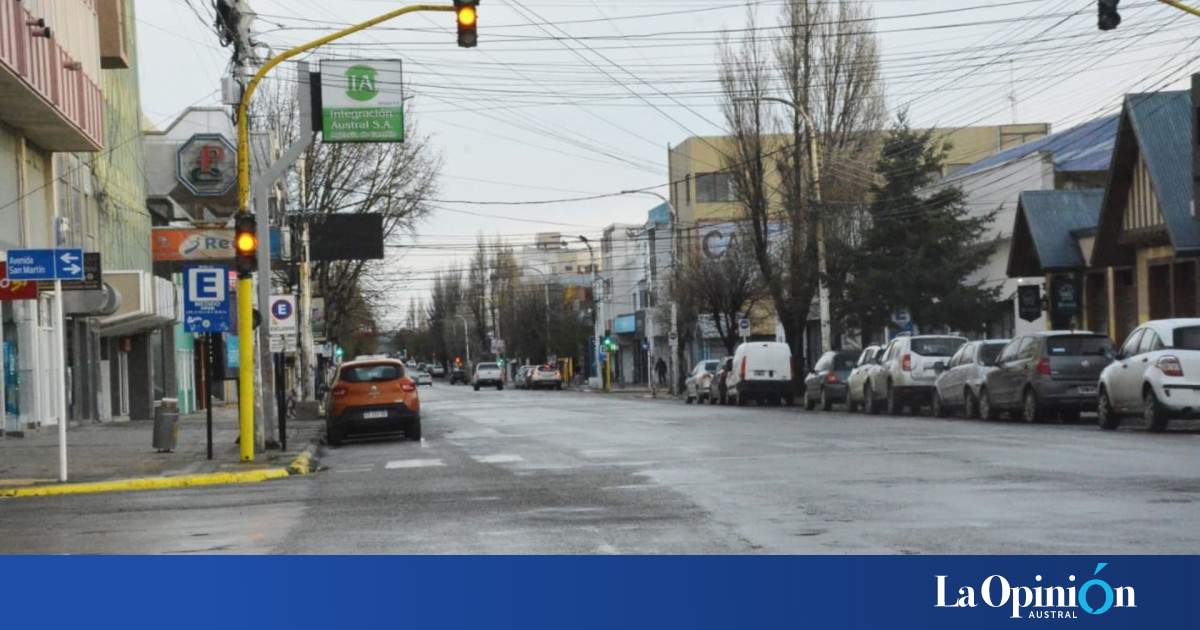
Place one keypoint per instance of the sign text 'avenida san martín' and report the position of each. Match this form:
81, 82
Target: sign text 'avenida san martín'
362, 101
1040, 598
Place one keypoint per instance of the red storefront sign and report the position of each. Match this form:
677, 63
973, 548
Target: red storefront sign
15, 290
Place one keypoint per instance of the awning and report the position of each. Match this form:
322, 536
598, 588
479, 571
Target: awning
147, 302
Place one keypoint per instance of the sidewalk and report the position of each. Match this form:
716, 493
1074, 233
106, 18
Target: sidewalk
123, 450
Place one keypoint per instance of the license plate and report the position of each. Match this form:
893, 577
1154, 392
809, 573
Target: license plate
760, 372
1087, 389
372, 415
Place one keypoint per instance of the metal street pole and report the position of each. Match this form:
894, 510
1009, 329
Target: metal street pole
815, 164
466, 338
595, 308
60, 380
1181, 6
246, 285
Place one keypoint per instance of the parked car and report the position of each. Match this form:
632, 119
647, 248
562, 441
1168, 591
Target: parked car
957, 389
521, 380
437, 370
458, 375
695, 388
1156, 374
762, 372
545, 377
422, 376
1046, 372
856, 382
717, 386
487, 375
906, 374
826, 383
372, 396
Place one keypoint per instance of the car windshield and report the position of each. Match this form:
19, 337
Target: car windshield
488, 366
1078, 346
547, 370
371, 373
936, 346
844, 361
711, 366
1187, 338
988, 353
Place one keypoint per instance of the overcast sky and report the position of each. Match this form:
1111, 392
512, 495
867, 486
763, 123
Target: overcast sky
535, 114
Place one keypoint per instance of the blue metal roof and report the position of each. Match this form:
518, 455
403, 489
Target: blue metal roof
1162, 122
1053, 216
1085, 147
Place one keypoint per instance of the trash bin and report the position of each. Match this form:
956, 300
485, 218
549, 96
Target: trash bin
166, 424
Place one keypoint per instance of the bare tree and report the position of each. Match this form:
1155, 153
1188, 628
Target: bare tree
476, 295
725, 288
444, 299
826, 63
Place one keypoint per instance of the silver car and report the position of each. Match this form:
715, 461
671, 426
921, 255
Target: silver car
958, 387
909, 368
867, 362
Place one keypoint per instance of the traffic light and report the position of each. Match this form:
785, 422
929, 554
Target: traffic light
1109, 18
466, 14
609, 343
245, 244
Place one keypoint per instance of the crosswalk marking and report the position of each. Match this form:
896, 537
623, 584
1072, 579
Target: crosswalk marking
499, 459
413, 463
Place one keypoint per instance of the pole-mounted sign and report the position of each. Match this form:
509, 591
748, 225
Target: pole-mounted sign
362, 100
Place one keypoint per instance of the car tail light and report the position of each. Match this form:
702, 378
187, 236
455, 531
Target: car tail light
743, 370
906, 362
338, 392
1170, 365
831, 377
407, 386
1043, 366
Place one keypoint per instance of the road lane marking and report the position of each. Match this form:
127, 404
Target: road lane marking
498, 459
413, 463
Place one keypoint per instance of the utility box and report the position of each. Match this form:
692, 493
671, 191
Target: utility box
166, 425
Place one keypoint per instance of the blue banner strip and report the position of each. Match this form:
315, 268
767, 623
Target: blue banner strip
601, 592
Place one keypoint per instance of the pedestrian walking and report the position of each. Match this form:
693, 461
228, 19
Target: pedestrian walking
661, 368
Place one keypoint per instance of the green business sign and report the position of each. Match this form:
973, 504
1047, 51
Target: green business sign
362, 101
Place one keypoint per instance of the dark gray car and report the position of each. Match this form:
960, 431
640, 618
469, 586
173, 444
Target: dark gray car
1047, 372
826, 383
958, 387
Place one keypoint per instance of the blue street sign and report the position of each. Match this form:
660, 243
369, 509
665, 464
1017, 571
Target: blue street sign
281, 309
205, 299
45, 264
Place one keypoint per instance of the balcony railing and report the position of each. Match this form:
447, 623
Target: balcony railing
44, 92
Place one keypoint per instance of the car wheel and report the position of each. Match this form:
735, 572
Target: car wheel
1031, 412
500, 388
741, 400
851, 406
1106, 416
938, 406
476, 388
986, 410
826, 401
894, 407
809, 403
414, 430
1153, 413
333, 435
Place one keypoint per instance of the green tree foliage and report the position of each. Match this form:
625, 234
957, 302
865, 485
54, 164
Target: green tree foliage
920, 245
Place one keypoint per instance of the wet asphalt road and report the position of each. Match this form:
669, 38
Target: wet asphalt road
566, 472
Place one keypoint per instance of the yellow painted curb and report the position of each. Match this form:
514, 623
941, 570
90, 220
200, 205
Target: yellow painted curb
302, 465
149, 483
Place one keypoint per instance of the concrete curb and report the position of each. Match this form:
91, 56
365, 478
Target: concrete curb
304, 464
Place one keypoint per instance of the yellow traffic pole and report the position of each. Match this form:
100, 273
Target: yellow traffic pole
1181, 6
245, 285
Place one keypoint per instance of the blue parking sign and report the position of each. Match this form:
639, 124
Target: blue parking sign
205, 299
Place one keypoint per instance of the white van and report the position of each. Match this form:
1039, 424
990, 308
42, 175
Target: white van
762, 371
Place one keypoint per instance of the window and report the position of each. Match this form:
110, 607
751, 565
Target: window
936, 346
959, 357
714, 187
1028, 349
372, 373
867, 356
843, 361
1078, 346
1131, 344
988, 352
1150, 342
1187, 338
1010, 351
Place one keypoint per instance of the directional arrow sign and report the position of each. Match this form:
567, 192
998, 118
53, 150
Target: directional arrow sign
67, 264
45, 264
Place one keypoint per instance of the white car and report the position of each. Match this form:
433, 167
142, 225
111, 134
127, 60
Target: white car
957, 389
696, 387
762, 372
486, 375
1156, 374
867, 363
910, 366
422, 377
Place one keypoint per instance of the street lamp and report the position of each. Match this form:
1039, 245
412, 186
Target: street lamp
595, 307
815, 162
649, 323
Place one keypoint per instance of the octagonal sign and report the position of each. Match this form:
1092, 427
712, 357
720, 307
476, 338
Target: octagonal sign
207, 165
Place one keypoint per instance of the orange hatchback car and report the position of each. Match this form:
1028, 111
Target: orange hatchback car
372, 397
